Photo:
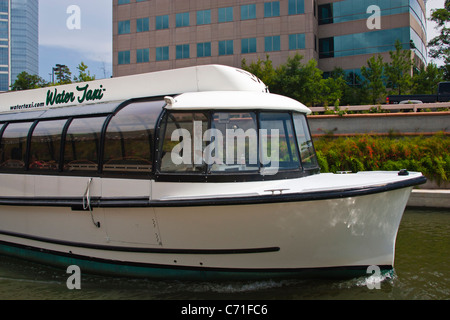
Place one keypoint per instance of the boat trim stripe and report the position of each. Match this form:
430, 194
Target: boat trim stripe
144, 202
140, 249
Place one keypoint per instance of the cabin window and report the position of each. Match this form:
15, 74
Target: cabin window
45, 146
82, 144
129, 138
182, 143
305, 143
14, 145
278, 131
233, 142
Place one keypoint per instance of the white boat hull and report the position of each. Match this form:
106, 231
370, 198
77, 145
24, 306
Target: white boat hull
242, 235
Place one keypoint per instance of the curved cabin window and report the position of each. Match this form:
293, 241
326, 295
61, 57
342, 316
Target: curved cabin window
305, 143
129, 138
233, 142
45, 146
278, 145
82, 144
182, 143
14, 145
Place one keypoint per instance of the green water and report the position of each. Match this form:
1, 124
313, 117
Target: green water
422, 272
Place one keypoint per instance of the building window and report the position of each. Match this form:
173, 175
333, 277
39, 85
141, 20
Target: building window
142, 25
204, 17
162, 22
248, 45
272, 9
162, 53
248, 11
272, 43
225, 47
124, 57
182, 19
182, 51
123, 1
204, 49
326, 48
326, 13
142, 55
296, 41
225, 14
296, 6
124, 27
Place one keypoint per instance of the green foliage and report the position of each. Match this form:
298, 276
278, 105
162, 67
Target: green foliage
25, 81
373, 79
63, 74
398, 71
440, 45
427, 154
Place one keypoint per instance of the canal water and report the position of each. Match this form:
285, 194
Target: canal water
422, 272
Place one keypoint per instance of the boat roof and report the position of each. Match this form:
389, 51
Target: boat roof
230, 100
161, 83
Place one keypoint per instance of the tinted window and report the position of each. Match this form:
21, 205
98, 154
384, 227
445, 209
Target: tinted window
182, 144
82, 144
279, 124
46, 145
305, 144
13, 145
129, 138
233, 143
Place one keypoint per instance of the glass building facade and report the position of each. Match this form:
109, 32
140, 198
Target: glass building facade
19, 39
372, 41
334, 33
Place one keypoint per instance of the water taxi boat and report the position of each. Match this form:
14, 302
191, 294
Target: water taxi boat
192, 173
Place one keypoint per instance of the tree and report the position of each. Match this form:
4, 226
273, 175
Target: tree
440, 45
25, 81
398, 70
83, 76
426, 80
63, 74
373, 82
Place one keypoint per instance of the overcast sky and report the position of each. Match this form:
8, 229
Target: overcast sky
92, 41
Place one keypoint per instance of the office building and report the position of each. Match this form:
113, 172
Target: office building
152, 35
19, 39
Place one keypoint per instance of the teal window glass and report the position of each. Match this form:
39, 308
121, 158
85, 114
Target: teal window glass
226, 47
272, 9
326, 48
225, 14
248, 45
124, 57
272, 43
142, 25
182, 51
248, 11
162, 22
297, 41
123, 1
162, 53
142, 55
204, 49
204, 17
296, 6
124, 27
182, 19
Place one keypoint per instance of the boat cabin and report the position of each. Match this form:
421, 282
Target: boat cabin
217, 133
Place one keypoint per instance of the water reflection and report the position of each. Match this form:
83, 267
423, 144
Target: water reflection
421, 272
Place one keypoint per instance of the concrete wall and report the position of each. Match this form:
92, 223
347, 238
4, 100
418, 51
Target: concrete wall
380, 123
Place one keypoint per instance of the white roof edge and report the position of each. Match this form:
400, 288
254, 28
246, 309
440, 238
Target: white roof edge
160, 83
216, 100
